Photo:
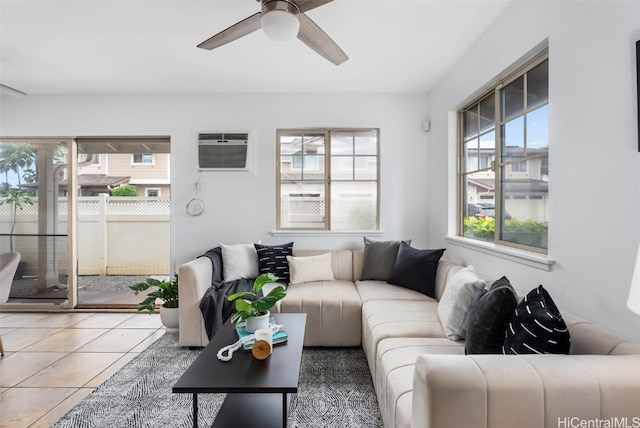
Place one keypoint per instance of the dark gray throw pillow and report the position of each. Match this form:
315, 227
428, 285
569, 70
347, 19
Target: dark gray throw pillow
537, 327
273, 259
379, 258
489, 318
416, 269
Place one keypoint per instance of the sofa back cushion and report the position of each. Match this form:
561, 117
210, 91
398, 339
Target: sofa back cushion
341, 261
591, 339
445, 270
358, 264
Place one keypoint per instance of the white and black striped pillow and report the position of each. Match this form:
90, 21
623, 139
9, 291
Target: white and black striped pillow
273, 259
537, 327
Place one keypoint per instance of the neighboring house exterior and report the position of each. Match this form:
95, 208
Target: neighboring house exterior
149, 172
526, 183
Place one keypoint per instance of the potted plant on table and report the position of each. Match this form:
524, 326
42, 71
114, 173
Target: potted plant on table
254, 309
167, 291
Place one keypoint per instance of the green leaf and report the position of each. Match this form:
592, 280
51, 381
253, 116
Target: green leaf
264, 304
279, 292
243, 305
263, 279
241, 294
235, 318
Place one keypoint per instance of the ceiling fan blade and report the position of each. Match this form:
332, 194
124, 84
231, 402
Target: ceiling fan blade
313, 36
240, 29
306, 5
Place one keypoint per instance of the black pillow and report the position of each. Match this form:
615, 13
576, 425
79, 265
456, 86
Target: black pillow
379, 259
416, 269
273, 259
537, 327
489, 319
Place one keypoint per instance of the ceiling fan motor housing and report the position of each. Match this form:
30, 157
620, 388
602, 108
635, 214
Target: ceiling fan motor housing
283, 5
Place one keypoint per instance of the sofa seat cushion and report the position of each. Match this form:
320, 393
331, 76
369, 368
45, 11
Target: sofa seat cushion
387, 319
333, 309
381, 290
396, 359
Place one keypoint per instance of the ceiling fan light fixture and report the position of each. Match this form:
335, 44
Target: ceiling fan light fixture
280, 20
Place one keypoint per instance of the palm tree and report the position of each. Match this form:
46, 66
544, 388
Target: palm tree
16, 157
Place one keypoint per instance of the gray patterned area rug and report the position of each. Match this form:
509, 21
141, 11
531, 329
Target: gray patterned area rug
335, 391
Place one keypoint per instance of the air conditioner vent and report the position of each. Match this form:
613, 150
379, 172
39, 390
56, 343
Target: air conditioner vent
223, 151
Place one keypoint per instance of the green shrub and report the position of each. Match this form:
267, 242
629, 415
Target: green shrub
526, 232
480, 228
125, 190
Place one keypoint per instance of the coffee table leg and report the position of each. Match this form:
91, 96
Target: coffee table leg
195, 410
284, 410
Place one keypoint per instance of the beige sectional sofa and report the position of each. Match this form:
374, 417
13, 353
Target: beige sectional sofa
422, 378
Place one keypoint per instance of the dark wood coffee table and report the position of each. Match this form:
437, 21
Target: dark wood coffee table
256, 389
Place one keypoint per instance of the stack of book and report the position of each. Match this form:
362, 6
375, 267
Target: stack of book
279, 337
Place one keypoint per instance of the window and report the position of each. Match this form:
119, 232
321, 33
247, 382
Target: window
310, 162
504, 149
328, 179
519, 167
142, 158
152, 192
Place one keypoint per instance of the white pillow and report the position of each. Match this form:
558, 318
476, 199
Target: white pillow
239, 261
307, 269
455, 300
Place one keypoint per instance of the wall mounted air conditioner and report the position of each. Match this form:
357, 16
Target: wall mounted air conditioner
223, 151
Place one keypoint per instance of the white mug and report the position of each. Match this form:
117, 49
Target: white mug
264, 334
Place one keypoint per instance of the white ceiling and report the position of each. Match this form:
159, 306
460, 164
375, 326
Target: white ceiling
149, 46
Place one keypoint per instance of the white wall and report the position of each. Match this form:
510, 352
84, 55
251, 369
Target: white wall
594, 195
242, 209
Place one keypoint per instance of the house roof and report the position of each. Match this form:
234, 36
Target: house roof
149, 47
99, 180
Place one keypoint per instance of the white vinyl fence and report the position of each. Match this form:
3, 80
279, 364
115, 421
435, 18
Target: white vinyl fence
116, 235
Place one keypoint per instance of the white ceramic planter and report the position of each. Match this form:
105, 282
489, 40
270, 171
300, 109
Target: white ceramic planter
169, 318
256, 323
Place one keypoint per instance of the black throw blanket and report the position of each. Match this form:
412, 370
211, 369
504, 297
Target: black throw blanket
215, 307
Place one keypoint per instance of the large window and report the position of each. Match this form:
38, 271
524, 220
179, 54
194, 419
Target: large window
504, 168
328, 179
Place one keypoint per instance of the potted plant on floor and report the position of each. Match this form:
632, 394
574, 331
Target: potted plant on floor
167, 291
254, 309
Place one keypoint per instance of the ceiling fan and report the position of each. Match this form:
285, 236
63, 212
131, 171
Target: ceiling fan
283, 20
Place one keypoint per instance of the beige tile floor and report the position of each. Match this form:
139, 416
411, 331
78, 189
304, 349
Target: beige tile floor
53, 360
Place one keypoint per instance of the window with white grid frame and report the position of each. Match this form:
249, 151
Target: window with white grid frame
504, 161
142, 158
327, 179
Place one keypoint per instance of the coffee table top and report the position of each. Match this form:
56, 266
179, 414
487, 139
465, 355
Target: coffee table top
279, 373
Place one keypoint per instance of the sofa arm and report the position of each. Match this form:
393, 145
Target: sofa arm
524, 391
194, 278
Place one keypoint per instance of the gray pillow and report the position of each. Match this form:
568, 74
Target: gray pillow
379, 259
